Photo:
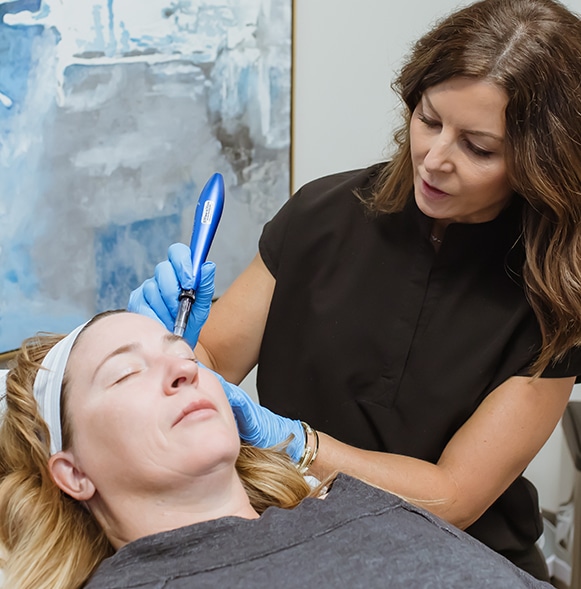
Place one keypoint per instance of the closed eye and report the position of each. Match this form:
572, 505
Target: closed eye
435, 124
477, 150
431, 123
124, 377
188, 357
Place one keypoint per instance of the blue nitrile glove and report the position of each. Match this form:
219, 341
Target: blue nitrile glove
158, 298
261, 427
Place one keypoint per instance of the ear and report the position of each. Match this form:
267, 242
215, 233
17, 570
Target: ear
70, 479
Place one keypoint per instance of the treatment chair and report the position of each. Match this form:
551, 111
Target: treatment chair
572, 428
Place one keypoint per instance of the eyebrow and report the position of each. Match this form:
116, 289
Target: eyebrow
466, 131
169, 338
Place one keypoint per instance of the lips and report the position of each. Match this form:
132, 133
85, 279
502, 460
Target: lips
193, 407
432, 192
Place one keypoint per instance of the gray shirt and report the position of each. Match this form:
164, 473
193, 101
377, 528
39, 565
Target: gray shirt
358, 537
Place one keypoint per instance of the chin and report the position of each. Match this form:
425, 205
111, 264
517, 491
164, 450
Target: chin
425, 207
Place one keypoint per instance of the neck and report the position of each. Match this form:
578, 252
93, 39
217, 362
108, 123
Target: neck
128, 516
439, 228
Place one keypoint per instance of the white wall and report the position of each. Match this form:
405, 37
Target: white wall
345, 56
552, 470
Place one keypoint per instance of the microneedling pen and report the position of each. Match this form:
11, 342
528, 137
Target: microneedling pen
206, 219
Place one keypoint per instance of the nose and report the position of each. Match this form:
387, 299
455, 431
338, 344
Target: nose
439, 155
180, 372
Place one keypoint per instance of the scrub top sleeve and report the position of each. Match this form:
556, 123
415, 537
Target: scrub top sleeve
569, 365
273, 236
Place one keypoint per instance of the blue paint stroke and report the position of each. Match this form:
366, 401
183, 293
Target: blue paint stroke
20, 270
98, 27
19, 324
16, 45
125, 255
112, 48
19, 6
125, 37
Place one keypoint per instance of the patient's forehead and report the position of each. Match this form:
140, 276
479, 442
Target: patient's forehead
109, 333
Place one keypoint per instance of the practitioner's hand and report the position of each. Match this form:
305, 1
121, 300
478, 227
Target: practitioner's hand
158, 297
261, 427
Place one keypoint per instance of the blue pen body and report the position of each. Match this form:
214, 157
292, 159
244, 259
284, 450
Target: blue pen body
206, 218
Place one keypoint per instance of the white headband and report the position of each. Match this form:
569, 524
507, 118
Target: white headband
3, 375
48, 384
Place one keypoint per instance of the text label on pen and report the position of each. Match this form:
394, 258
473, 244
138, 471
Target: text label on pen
207, 212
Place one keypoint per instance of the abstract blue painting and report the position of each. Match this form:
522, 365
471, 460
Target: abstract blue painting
113, 115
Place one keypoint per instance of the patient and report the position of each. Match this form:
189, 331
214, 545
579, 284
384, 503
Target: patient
134, 476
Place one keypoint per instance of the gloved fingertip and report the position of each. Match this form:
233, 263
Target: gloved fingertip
134, 300
149, 289
180, 258
208, 266
165, 275
177, 250
207, 275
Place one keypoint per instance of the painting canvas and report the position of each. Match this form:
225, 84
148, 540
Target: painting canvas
113, 115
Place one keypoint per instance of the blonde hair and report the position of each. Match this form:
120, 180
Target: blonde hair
49, 540
532, 50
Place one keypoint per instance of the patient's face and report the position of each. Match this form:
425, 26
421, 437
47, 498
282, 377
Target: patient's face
143, 414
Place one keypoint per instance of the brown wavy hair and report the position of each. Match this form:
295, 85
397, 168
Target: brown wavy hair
49, 540
532, 50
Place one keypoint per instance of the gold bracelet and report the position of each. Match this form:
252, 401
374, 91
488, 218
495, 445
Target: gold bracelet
309, 454
306, 450
316, 450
